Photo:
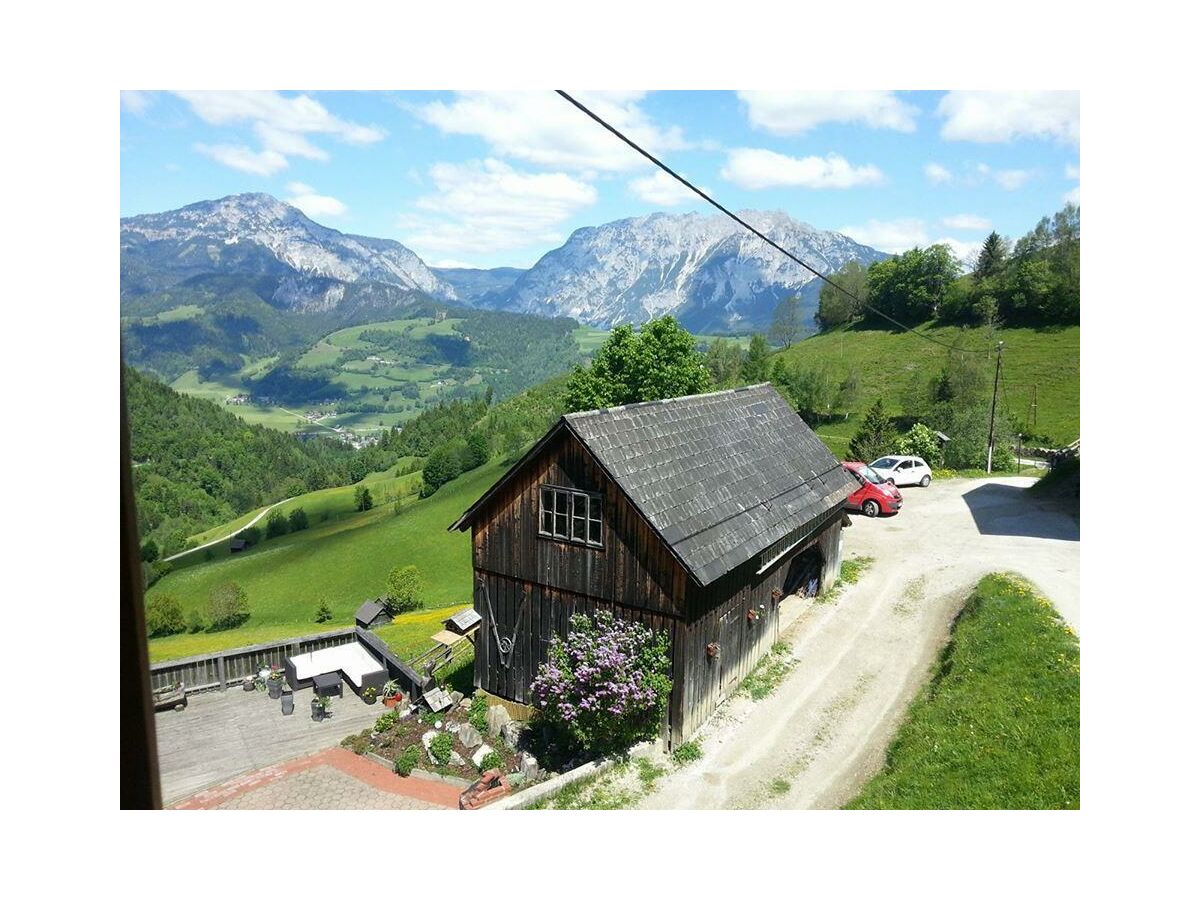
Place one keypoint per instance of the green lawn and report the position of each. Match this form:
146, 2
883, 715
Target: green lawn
344, 561
887, 361
998, 725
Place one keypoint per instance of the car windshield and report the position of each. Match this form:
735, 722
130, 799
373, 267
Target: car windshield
885, 462
871, 475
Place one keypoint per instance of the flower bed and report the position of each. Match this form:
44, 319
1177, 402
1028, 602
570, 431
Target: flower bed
397, 737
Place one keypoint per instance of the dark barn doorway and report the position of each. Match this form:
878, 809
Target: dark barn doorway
804, 574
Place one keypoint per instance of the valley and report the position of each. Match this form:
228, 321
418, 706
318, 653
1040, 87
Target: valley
423, 385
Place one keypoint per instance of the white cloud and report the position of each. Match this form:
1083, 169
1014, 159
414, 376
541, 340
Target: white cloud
660, 189
795, 112
542, 128
898, 235
488, 206
136, 102
978, 174
1072, 196
894, 236
1001, 116
967, 222
754, 169
245, 159
280, 123
965, 251
938, 174
1011, 179
289, 143
314, 205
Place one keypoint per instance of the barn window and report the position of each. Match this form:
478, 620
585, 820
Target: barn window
570, 516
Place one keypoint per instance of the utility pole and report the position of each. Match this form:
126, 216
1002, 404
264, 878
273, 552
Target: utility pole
992, 423
1035, 406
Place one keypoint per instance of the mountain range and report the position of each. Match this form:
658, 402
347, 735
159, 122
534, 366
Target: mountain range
705, 270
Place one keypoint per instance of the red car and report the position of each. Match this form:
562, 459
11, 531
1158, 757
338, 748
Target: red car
874, 494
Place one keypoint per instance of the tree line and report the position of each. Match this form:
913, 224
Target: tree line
1032, 281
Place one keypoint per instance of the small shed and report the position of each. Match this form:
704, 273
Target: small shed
695, 516
372, 614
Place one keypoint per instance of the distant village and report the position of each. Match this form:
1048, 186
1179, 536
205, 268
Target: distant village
315, 416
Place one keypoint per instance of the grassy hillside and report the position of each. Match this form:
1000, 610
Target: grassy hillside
330, 504
889, 363
342, 561
998, 726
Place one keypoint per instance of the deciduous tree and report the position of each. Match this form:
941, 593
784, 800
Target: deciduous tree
788, 325
404, 588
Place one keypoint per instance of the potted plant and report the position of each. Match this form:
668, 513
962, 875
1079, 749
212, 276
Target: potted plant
391, 694
275, 683
248, 682
368, 695
320, 707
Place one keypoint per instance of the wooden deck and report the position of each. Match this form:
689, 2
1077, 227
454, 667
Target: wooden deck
221, 735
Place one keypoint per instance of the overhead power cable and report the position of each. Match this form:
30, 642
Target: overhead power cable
862, 303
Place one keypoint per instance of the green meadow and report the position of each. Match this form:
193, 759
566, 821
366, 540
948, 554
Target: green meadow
998, 725
342, 560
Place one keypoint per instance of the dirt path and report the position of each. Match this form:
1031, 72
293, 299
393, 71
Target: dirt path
231, 534
861, 658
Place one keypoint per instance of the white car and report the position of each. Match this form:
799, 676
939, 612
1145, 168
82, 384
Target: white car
902, 470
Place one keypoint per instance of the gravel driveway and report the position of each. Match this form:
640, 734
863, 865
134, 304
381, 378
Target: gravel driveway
862, 658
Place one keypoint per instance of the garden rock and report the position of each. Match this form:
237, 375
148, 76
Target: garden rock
468, 736
427, 740
456, 759
497, 718
478, 756
529, 766
456, 696
511, 732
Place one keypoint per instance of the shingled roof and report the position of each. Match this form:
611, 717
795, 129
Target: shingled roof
721, 477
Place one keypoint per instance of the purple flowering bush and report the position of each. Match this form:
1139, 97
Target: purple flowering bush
606, 686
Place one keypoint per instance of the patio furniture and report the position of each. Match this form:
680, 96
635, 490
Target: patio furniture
328, 684
352, 661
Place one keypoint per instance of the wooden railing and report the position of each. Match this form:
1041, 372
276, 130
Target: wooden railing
219, 670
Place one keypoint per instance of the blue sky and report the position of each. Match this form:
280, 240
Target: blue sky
491, 179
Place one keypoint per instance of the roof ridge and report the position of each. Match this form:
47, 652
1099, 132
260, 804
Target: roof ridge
609, 409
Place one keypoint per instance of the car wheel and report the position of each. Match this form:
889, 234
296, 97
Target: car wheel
925, 481
870, 509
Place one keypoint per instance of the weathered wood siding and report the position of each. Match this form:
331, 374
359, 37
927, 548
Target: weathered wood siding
633, 568
531, 615
719, 614
532, 585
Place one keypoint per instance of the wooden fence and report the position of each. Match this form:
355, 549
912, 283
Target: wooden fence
218, 670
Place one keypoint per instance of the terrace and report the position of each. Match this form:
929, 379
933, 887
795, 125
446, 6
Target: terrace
225, 733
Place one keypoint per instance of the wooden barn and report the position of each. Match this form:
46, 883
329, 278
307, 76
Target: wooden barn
696, 515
